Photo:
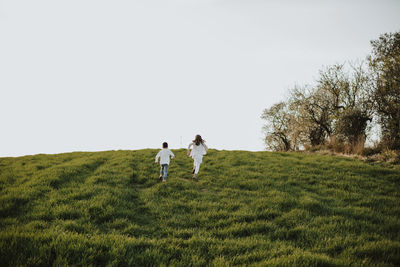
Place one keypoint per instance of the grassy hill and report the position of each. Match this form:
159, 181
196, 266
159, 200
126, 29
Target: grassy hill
262, 208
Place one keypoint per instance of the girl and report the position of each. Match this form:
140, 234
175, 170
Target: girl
199, 149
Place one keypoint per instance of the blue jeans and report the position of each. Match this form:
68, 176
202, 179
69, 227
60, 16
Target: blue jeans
164, 170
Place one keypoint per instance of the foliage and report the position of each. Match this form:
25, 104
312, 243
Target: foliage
312, 109
248, 208
385, 63
338, 107
338, 110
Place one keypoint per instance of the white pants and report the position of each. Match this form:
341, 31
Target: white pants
196, 165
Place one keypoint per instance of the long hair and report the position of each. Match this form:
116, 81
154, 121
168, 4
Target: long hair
198, 140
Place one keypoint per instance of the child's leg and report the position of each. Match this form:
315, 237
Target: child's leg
165, 170
197, 167
162, 170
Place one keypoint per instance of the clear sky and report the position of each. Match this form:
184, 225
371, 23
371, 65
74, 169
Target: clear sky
82, 75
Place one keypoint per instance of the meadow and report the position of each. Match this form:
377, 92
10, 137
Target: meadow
247, 208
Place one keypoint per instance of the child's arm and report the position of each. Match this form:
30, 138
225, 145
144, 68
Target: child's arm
157, 156
205, 147
188, 150
172, 154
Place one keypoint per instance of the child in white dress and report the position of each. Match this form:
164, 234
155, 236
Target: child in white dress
199, 149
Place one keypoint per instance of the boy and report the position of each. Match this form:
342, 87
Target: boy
164, 160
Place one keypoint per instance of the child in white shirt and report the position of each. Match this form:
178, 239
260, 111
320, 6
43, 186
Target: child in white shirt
199, 149
164, 155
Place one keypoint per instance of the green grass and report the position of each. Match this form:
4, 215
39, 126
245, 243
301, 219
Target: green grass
261, 208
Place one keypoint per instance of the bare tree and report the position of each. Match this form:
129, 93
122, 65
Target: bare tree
338, 106
357, 107
278, 127
312, 109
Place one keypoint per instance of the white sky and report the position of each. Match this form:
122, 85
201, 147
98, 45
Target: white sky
82, 75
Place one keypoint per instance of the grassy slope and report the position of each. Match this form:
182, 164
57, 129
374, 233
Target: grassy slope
247, 208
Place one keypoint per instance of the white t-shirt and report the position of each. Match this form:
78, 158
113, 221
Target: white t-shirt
164, 156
